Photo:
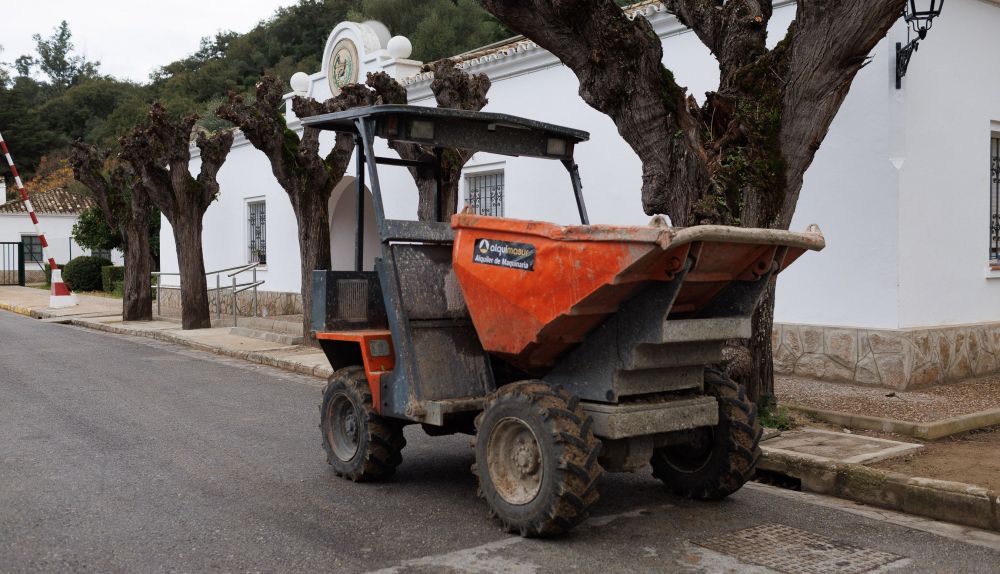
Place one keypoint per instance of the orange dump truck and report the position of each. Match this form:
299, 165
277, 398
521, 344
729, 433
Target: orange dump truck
566, 350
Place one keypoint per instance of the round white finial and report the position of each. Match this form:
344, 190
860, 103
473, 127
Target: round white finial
300, 82
400, 47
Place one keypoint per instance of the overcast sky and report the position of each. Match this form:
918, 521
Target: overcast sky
130, 38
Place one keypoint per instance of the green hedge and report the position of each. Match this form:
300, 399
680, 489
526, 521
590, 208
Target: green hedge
111, 274
84, 273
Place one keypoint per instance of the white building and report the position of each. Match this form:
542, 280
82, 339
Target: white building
57, 210
904, 294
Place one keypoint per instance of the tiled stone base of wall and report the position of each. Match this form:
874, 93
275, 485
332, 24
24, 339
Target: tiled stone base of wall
896, 359
269, 303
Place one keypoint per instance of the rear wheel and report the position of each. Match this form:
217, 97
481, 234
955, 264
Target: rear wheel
360, 445
716, 461
536, 459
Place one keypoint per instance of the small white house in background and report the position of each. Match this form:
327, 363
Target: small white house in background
905, 188
57, 210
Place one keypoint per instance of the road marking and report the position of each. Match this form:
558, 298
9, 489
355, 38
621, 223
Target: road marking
956, 532
479, 559
476, 559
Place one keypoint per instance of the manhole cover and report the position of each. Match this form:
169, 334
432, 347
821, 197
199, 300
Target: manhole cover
795, 551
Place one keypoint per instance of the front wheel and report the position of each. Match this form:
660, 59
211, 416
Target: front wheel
536, 459
716, 461
360, 445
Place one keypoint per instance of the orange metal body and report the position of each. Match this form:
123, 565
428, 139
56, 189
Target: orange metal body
375, 366
582, 274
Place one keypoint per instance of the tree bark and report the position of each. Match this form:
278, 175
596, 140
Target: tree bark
160, 153
137, 293
195, 312
313, 217
125, 204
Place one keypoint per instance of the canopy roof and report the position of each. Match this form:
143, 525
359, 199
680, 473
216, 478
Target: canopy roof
443, 127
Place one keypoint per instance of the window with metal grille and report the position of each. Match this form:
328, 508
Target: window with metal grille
256, 232
995, 198
484, 193
32, 248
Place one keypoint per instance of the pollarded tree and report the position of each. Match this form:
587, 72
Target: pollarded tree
307, 176
125, 204
452, 88
160, 153
738, 158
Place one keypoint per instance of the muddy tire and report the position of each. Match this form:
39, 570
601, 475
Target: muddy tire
536, 459
360, 445
719, 460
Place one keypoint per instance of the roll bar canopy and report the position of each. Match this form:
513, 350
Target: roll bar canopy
447, 128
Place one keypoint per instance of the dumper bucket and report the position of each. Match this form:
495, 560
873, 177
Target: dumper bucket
535, 289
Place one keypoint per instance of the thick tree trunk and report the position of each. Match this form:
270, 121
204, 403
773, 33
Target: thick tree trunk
138, 303
195, 312
760, 378
312, 212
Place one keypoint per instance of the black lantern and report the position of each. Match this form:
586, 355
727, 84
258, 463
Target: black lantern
920, 18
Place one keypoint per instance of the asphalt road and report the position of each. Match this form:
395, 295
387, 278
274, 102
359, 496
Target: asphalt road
128, 455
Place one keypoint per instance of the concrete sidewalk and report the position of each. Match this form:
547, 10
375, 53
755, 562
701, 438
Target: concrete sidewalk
104, 314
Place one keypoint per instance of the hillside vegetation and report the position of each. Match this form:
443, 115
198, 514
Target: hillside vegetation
54, 96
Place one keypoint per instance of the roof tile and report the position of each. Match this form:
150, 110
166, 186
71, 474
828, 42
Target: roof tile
59, 201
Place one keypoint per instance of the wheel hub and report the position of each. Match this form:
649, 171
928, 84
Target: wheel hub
526, 457
343, 435
514, 459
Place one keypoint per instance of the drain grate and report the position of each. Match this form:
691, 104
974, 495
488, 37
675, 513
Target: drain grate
795, 551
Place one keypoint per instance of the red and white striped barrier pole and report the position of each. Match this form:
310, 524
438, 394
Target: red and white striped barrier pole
61, 295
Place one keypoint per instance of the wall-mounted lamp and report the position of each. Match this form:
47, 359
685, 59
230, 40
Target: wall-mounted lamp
920, 20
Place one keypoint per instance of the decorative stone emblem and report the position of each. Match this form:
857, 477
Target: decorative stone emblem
343, 65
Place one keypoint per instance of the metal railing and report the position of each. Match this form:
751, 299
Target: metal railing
235, 288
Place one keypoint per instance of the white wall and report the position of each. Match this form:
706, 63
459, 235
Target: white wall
58, 230
950, 95
343, 227
899, 186
246, 175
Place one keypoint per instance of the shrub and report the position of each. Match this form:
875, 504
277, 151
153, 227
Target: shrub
111, 274
48, 275
84, 273
780, 419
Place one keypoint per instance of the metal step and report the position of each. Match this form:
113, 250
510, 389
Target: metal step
640, 419
666, 356
649, 381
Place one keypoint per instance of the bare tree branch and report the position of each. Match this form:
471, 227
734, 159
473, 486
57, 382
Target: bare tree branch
618, 63
821, 72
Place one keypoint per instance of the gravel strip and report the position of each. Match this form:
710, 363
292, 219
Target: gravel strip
925, 405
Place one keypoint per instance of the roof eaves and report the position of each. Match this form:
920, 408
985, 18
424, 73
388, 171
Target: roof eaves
520, 45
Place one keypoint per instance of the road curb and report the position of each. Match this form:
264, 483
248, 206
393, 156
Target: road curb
924, 431
319, 371
26, 311
937, 499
